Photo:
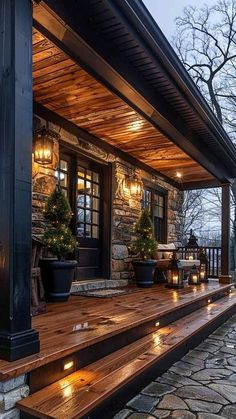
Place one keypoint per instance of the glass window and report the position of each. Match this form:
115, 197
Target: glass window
62, 176
88, 215
155, 202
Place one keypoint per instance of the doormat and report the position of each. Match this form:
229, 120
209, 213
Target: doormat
104, 293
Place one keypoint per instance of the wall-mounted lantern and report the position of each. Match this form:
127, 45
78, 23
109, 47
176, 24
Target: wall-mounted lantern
135, 186
43, 146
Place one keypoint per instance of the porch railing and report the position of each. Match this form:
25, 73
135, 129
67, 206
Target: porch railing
213, 254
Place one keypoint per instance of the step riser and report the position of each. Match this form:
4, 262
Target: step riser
117, 401
48, 374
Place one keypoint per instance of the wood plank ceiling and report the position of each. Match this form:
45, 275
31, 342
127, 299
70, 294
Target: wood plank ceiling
62, 86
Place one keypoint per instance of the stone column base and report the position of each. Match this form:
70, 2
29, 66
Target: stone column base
225, 279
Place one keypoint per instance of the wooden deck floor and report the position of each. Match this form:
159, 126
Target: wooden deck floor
83, 321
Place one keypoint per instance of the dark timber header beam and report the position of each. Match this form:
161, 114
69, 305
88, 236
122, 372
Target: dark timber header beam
17, 338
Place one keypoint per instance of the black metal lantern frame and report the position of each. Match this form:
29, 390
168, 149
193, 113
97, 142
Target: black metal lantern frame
203, 266
194, 276
43, 146
175, 279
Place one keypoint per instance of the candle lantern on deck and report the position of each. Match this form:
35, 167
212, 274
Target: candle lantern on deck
175, 279
194, 276
43, 146
203, 266
192, 246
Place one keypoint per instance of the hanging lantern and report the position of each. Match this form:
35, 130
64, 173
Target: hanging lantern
135, 186
175, 279
43, 146
203, 266
194, 276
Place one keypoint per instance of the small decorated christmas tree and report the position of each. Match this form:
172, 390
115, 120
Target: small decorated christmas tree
58, 238
145, 244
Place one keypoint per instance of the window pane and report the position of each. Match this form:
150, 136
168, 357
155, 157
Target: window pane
161, 213
80, 214
88, 201
89, 175
81, 186
95, 232
64, 165
80, 200
95, 177
88, 187
96, 204
80, 171
156, 211
80, 230
63, 179
95, 217
88, 230
161, 201
88, 216
95, 189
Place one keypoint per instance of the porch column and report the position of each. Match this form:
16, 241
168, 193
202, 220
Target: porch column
17, 338
225, 234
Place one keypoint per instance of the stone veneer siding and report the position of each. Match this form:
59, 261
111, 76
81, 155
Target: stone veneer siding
125, 211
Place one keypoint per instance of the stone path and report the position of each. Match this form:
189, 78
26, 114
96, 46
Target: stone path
201, 385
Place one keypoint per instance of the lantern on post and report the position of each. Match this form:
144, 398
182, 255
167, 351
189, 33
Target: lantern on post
194, 276
203, 266
175, 279
43, 146
192, 246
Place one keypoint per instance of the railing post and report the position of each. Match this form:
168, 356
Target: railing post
225, 235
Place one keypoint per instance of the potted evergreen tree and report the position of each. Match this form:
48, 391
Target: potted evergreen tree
58, 273
144, 246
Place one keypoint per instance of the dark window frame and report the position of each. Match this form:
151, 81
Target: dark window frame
152, 190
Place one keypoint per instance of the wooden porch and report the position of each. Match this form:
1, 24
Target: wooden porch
94, 348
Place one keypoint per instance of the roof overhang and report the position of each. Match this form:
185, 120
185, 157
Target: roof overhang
174, 104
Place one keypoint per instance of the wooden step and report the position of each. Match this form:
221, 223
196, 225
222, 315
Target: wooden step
124, 320
91, 390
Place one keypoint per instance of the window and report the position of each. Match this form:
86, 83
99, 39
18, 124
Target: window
88, 203
155, 201
62, 176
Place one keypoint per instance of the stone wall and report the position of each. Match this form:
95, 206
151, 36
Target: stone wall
126, 209
11, 391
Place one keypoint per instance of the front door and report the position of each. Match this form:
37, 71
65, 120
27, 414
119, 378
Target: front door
83, 182
89, 219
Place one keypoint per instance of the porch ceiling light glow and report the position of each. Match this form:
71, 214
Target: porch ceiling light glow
136, 125
43, 146
179, 175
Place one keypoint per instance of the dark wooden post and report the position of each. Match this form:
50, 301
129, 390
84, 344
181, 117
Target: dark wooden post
17, 338
225, 234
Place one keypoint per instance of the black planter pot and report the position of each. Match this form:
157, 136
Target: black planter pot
144, 272
57, 277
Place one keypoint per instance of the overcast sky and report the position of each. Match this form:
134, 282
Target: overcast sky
165, 11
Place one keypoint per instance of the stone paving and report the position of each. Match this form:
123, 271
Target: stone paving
201, 385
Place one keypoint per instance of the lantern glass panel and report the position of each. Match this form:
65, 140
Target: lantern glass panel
43, 147
194, 276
